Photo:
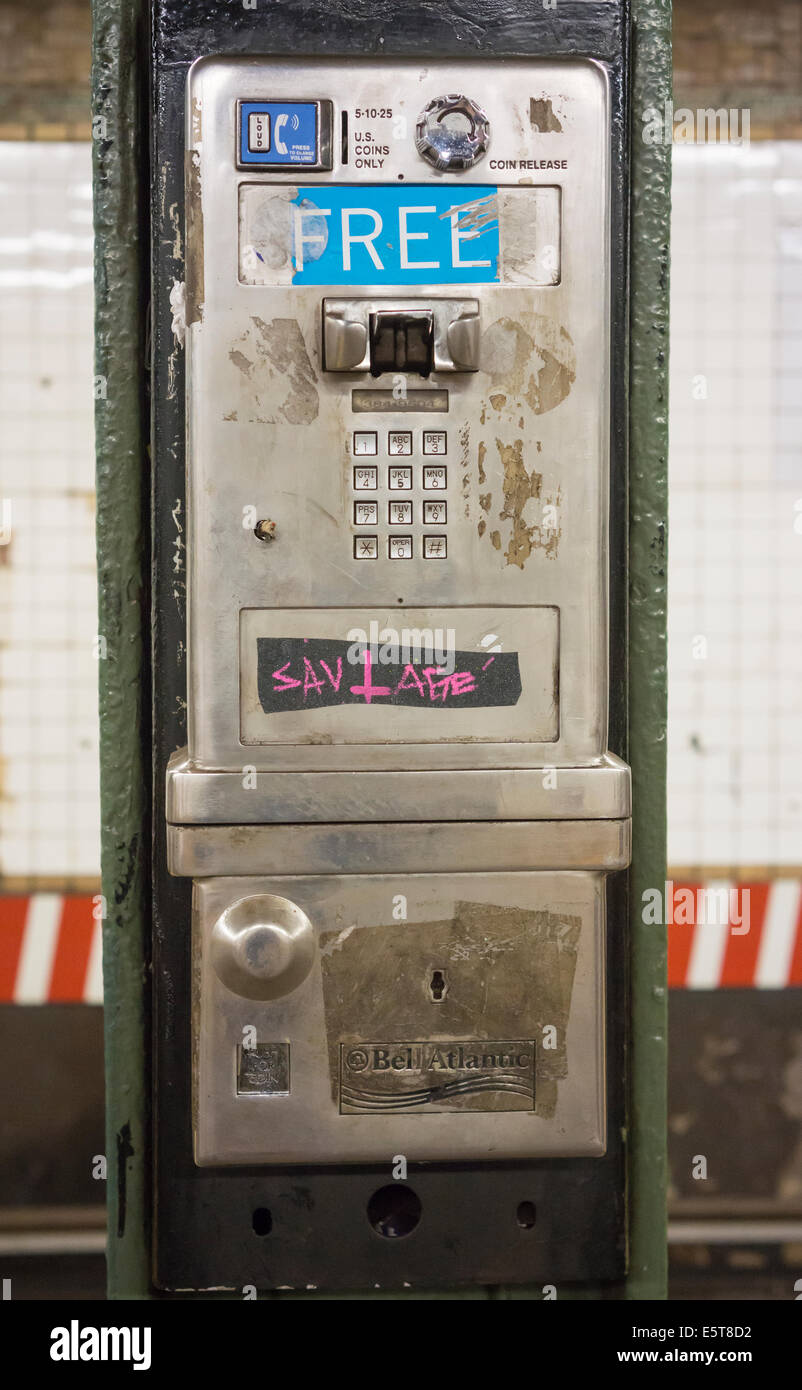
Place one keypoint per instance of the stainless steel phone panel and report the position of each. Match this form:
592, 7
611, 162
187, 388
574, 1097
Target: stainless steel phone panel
525, 437
442, 1017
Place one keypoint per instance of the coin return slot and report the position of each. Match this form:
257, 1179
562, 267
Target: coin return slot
401, 343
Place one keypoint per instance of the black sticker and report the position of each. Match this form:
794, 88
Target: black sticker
299, 673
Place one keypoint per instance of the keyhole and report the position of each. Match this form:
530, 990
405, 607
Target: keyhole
437, 986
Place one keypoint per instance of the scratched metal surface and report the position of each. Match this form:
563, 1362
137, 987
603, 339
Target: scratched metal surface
468, 1236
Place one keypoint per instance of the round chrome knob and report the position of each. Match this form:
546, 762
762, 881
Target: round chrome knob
452, 132
262, 947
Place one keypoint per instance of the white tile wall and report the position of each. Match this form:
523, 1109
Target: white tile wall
49, 809
735, 557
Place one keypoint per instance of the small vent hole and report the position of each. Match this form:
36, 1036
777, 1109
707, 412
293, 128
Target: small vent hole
437, 986
526, 1215
262, 1221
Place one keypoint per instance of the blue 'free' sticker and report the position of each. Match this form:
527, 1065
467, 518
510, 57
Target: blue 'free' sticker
420, 234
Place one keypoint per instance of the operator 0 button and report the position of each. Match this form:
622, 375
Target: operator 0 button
259, 132
366, 513
365, 442
366, 547
434, 477
434, 513
400, 547
434, 547
399, 513
434, 441
366, 479
399, 442
399, 479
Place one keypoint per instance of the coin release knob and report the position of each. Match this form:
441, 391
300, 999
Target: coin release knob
452, 132
262, 947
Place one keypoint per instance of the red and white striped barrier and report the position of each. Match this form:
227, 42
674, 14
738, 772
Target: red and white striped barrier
50, 949
755, 943
50, 944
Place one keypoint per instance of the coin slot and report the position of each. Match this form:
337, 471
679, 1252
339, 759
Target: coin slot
394, 1211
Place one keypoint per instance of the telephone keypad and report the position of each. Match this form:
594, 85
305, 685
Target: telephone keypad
413, 478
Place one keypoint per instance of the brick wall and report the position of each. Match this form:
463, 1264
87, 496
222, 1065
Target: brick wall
738, 53
44, 69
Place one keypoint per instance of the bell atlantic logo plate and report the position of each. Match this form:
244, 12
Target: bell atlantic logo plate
383, 1078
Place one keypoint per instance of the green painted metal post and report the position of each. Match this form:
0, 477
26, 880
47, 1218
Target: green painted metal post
648, 512
120, 76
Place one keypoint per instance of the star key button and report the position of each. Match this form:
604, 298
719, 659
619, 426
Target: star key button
366, 547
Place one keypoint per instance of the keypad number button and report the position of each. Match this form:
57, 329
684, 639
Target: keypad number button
399, 479
399, 513
366, 479
434, 477
400, 548
366, 513
434, 513
399, 442
365, 442
434, 441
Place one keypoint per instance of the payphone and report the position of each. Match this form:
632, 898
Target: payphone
396, 804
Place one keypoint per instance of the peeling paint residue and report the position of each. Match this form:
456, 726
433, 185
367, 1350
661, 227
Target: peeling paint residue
193, 231
474, 217
175, 223
178, 308
179, 551
464, 463
533, 528
541, 115
530, 358
273, 362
